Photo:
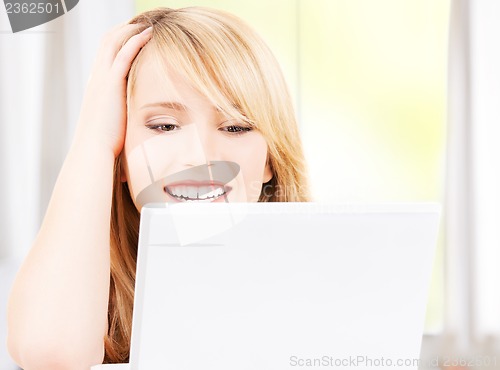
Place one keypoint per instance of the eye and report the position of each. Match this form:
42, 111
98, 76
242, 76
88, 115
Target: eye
167, 127
235, 128
163, 125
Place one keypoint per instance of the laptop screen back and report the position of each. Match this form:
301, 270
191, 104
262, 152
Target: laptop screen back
273, 286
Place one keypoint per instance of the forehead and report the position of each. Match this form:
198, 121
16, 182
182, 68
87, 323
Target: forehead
156, 82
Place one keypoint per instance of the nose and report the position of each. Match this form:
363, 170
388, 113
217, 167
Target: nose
199, 147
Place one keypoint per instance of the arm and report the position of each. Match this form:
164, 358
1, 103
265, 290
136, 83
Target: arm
57, 311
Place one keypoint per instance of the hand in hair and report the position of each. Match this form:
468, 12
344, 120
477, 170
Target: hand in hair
104, 113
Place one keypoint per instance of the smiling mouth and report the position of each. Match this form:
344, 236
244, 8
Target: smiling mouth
203, 184
196, 192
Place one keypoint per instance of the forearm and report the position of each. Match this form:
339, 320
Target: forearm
57, 311
60, 296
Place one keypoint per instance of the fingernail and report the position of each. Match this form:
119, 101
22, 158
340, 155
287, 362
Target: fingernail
147, 30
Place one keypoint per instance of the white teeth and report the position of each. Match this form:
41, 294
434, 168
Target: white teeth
175, 191
203, 191
211, 193
196, 193
192, 192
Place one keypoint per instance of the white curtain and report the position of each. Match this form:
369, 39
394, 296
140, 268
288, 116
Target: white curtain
472, 217
485, 116
43, 72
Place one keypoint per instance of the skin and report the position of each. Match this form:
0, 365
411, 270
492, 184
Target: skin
57, 310
177, 132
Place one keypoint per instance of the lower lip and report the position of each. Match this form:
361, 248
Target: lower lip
219, 199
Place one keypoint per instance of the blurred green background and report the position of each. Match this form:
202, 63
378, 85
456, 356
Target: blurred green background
369, 81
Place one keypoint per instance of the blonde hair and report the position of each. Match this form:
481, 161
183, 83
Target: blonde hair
227, 62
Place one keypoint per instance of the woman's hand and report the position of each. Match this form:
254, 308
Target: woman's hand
103, 114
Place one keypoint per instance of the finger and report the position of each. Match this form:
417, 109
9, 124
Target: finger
113, 41
129, 51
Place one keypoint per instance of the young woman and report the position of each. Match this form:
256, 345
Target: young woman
174, 95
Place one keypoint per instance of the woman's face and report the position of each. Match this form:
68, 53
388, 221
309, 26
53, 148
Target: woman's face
181, 148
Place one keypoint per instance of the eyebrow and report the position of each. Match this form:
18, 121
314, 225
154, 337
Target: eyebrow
172, 105
169, 105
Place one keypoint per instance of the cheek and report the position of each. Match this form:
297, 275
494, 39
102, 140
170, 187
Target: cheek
147, 162
252, 156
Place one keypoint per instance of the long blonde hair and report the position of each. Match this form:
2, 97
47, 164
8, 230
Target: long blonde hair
227, 62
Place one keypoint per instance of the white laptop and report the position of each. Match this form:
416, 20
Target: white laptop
271, 286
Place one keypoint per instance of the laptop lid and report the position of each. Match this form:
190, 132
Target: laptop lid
274, 286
